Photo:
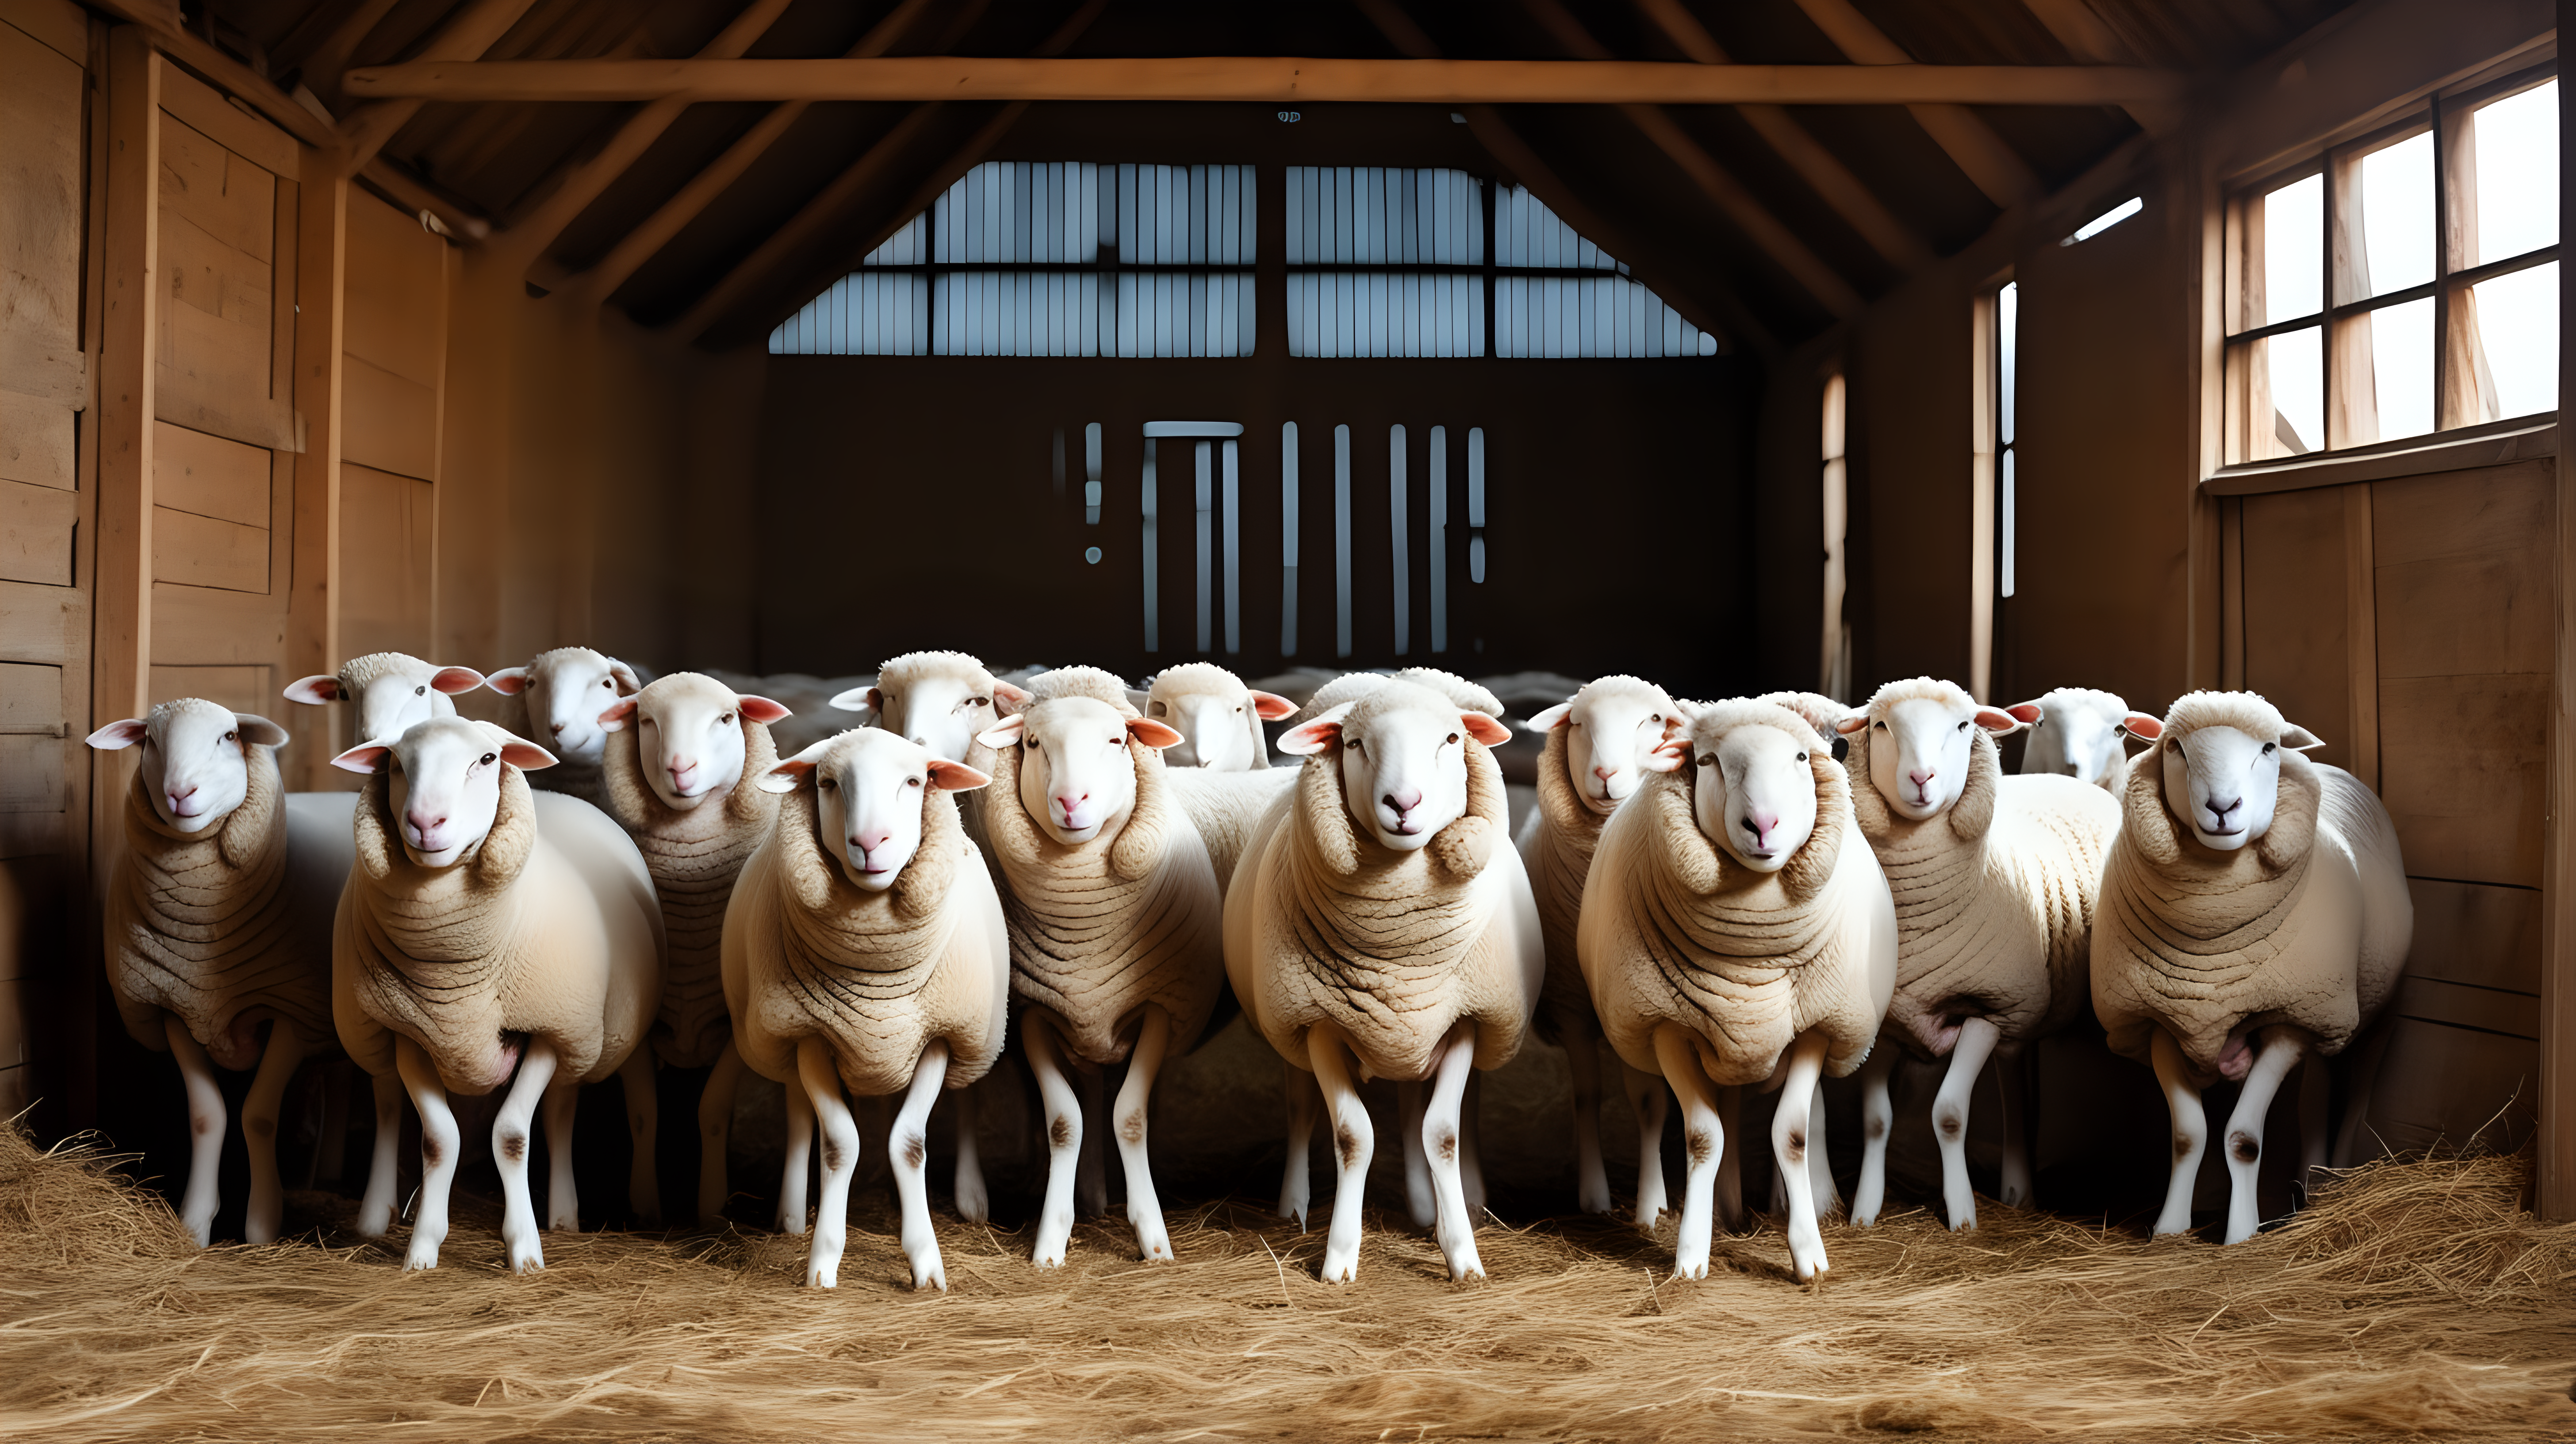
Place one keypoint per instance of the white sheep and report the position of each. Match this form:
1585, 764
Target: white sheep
1114, 917
2264, 934
1598, 742
865, 950
1737, 931
1218, 717
556, 700
1995, 880
391, 690
487, 931
219, 920
1381, 926
2077, 732
670, 773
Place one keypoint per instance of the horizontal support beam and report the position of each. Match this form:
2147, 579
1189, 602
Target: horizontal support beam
1266, 80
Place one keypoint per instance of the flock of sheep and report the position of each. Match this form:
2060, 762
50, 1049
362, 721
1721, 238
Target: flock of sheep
1746, 894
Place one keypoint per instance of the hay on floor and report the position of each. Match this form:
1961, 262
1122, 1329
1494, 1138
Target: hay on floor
2411, 1298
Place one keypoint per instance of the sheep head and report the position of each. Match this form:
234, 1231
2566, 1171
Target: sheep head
1402, 751
1218, 717
196, 758
939, 700
2075, 732
1764, 787
1922, 740
1612, 726
1077, 771
871, 793
392, 689
565, 690
689, 735
444, 787
2221, 759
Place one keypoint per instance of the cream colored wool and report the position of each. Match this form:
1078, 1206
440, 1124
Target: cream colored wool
2304, 927
1131, 917
1393, 948
1674, 930
1556, 850
222, 929
1815, 708
1994, 894
550, 930
880, 976
694, 857
1351, 686
1225, 807
1209, 679
587, 781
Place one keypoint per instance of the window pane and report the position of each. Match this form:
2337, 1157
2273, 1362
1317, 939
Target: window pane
2517, 318
2289, 373
2401, 362
2292, 283
2007, 325
2394, 191
2517, 175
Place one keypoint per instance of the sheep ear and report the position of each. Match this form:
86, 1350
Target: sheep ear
627, 685
615, 717
1670, 755
117, 736
1852, 723
362, 759
509, 681
855, 699
784, 776
1152, 733
527, 756
257, 729
1308, 738
1551, 717
1485, 728
2300, 739
761, 709
1010, 696
2142, 726
1272, 706
453, 680
2000, 722
2028, 712
956, 776
314, 690
1005, 733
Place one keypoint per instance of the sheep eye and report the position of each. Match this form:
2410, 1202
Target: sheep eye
979, 701
231, 736
608, 683
2267, 749
1708, 759
487, 760
1881, 726
1963, 726
1657, 719
826, 784
1453, 737
421, 691
725, 721
1802, 756
912, 782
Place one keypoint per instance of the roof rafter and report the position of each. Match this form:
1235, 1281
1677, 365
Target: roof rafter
1991, 165
475, 28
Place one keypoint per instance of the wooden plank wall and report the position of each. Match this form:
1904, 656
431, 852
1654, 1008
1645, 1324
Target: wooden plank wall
393, 367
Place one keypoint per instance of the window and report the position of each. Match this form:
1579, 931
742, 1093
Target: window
1023, 258
1833, 671
2402, 283
1558, 294
1385, 262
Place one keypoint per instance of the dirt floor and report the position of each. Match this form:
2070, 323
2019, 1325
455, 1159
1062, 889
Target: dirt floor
2413, 1299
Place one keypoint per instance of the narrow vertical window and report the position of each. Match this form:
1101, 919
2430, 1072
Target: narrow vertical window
1342, 541
1439, 550
1206, 496
1233, 546
1833, 672
1475, 503
1986, 342
2007, 344
1288, 538
1153, 555
1401, 541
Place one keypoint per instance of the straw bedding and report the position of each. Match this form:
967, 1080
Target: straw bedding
2412, 1299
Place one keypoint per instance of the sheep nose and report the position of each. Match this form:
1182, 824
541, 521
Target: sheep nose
1605, 773
1404, 800
422, 825
182, 794
1760, 823
556, 728
2220, 810
683, 764
1921, 779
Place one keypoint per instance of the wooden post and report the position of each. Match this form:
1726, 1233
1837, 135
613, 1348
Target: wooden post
128, 342
313, 604
2557, 1166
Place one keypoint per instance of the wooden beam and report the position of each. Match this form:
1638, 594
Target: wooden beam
161, 26
461, 220
1723, 190
129, 343
1265, 80
330, 60
1824, 173
2093, 42
473, 29
314, 589
2556, 1181
1992, 166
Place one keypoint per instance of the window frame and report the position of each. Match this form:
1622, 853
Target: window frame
2334, 320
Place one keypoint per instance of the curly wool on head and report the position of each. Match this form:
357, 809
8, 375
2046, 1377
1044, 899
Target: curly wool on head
913, 668
1092, 682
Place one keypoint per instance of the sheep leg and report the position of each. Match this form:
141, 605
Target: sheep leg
715, 1132
1419, 1200
974, 1203
1820, 1163
259, 1130
1791, 1144
1583, 1066
513, 1132
376, 1210
1303, 1099
1647, 1097
1877, 1116
909, 1147
1135, 1101
2282, 1048
1703, 1143
822, 1083
1442, 1142
562, 1104
2316, 1098
2012, 1070
1977, 1040
205, 1131
1354, 1141
800, 1149
2190, 1132
1091, 1173
1730, 1159
643, 1118
438, 1147
1064, 1140
1471, 1161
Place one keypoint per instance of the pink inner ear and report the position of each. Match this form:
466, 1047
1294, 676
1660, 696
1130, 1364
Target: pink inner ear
1485, 729
1995, 719
314, 690
1272, 706
2026, 711
526, 756
1002, 692
1309, 738
761, 709
2139, 724
117, 734
1152, 733
361, 758
616, 713
956, 776
452, 680
1850, 725
1001, 734
509, 681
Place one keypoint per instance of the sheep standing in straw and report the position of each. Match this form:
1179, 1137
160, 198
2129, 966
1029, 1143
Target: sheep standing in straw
2077, 732
486, 932
1114, 916
1598, 742
2260, 934
1995, 879
557, 699
1382, 927
671, 774
219, 920
865, 950
1736, 930
1218, 717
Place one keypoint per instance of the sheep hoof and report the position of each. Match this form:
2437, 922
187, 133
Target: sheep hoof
1341, 1268
927, 1274
1690, 1269
823, 1275
973, 1206
420, 1260
529, 1262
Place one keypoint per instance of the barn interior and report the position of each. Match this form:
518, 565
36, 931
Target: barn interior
1784, 344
